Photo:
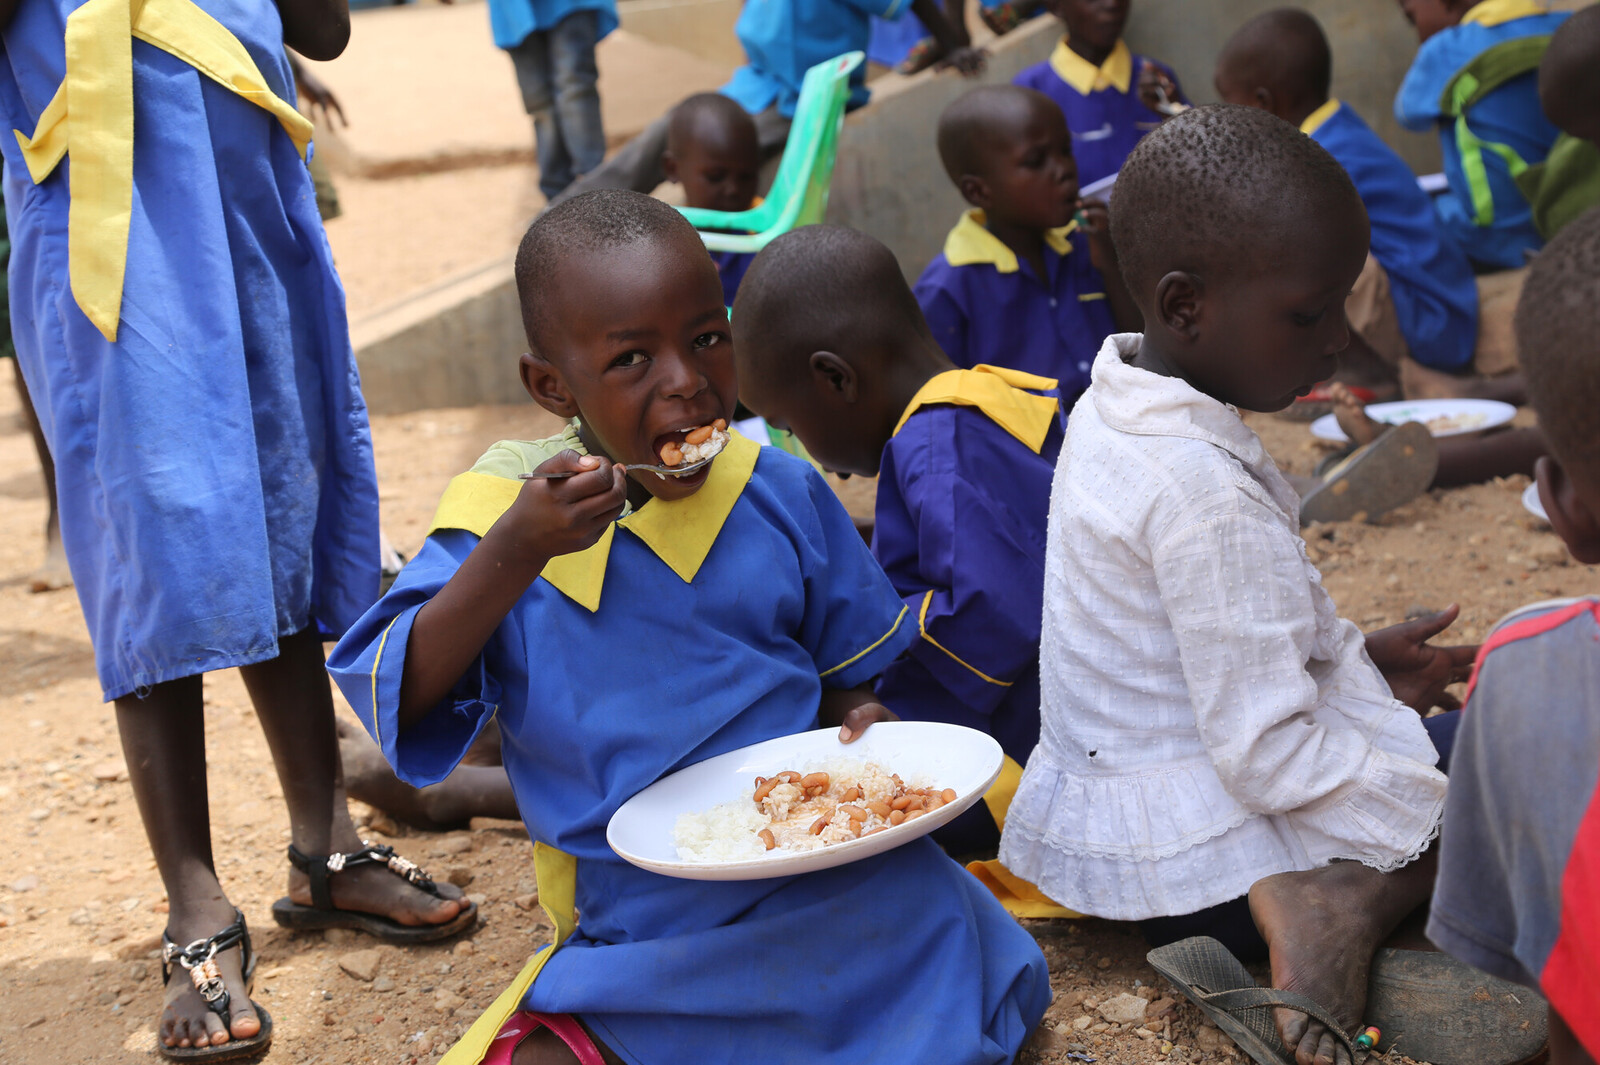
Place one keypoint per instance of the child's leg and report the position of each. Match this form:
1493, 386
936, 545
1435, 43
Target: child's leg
54, 573
1322, 928
163, 740
535, 77
295, 704
577, 101
1463, 460
1422, 382
475, 788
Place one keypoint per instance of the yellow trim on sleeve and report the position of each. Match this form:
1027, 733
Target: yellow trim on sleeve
377, 658
556, 875
1005, 396
853, 659
1316, 118
969, 243
90, 117
1084, 77
1089, 297
1494, 12
922, 624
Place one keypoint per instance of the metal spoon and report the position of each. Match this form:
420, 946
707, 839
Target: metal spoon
660, 471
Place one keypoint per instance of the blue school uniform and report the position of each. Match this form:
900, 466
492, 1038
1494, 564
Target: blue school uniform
731, 268
986, 306
725, 615
213, 464
1102, 104
1509, 115
783, 39
512, 20
1430, 280
963, 499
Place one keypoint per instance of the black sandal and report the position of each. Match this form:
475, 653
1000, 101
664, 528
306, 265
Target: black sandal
322, 914
198, 959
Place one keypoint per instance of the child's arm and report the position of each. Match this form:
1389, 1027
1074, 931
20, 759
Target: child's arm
957, 45
1097, 224
549, 518
1416, 670
317, 29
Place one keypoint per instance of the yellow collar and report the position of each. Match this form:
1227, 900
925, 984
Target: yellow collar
1316, 118
91, 117
1116, 72
997, 392
1494, 12
969, 243
680, 532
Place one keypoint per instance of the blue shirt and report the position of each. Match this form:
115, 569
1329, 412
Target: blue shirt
984, 305
1509, 115
1102, 104
695, 627
960, 530
512, 20
1430, 280
783, 39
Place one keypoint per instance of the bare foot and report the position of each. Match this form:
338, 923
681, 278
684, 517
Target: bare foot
53, 573
185, 1019
1352, 416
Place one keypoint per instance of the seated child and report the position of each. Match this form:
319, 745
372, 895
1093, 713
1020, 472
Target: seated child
712, 151
1519, 855
1491, 134
1104, 89
1567, 183
1020, 283
963, 460
1416, 300
1217, 745
722, 609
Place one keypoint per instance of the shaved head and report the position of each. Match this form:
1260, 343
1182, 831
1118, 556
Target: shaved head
709, 115
1558, 318
1283, 51
974, 127
1569, 75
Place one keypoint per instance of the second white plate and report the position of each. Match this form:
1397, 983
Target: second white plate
1444, 417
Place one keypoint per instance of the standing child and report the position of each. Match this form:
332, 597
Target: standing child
1415, 304
196, 385
722, 609
1021, 283
713, 152
1220, 753
963, 460
1475, 81
1519, 856
551, 43
1108, 94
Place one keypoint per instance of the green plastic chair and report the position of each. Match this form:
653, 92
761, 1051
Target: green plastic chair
799, 193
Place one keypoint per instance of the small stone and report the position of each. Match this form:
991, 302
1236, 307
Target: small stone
1103, 963
452, 845
277, 971
361, 964
1124, 1009
459, 875
478, 899
38, 814
1161, 1006
383, 983
24, 883
1101, 1027
465, 947
1070, 999
447, 1001
1144, 1033
79, 917
341, 937
109, 771
424, 1047
1212, 1039
140, 1041
526, 902
1082, 1023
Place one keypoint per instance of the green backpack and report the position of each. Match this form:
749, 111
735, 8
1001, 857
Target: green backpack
1491, 69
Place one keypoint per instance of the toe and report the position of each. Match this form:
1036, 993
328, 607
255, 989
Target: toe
214, 1031
1305, 1052
244, 1023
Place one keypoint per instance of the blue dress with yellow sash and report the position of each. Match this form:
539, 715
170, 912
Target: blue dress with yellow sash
696, 627
212, 453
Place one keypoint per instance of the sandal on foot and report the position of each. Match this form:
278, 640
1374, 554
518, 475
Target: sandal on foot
1389, 472
198, 959
322, 914
1212, 978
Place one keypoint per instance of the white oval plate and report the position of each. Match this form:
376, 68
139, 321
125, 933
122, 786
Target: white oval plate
1533, 504
1482, 413
939, 755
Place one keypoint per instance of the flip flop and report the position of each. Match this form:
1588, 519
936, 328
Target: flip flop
322, 914
1212, 978
1392, 470
196, 961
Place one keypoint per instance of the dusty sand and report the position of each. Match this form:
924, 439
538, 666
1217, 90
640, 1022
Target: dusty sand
81, 906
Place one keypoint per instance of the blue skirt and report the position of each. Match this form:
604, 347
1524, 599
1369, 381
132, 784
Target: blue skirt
213, 465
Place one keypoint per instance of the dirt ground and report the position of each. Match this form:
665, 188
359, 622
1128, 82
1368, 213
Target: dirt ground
81, 906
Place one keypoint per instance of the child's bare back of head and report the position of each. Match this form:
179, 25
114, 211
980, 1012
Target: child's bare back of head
1278, 61
1239, 238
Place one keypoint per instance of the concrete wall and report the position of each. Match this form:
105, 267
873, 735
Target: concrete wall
699, 27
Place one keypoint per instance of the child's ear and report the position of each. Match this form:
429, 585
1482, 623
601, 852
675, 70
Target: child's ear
1180, 296
545, 385
669, 166
1571, 515
835, 375
974, 190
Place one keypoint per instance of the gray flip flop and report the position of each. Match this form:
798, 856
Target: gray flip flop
1392, 470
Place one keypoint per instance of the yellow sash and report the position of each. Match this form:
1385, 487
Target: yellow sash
1020, 898
91, 116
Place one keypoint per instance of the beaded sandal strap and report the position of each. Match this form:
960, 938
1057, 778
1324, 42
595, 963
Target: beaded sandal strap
320, 869
199, 960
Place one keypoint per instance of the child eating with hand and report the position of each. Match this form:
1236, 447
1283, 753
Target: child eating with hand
1220, 753
621, 625
833, 348
713, 152
1022, 283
